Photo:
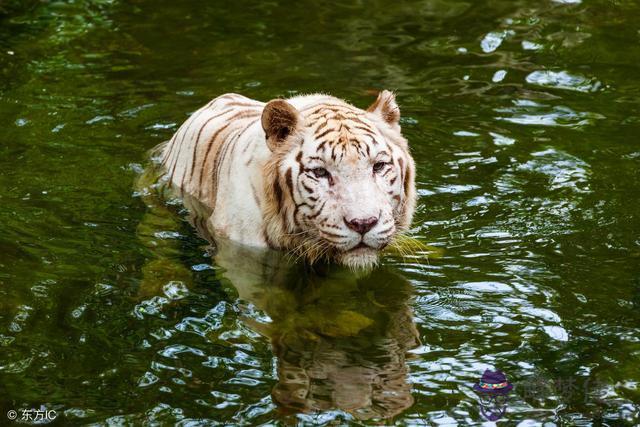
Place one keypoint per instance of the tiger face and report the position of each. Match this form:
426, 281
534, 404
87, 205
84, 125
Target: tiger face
341, 179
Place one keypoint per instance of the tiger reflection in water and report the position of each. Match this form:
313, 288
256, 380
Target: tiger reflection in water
341, 338
341, 341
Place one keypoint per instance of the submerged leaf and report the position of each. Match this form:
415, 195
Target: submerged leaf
346, 324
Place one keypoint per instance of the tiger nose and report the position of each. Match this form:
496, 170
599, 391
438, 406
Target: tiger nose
361, 225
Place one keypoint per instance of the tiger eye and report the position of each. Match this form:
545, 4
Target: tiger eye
379, 166
321, 173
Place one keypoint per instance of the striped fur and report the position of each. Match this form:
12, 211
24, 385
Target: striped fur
261, 169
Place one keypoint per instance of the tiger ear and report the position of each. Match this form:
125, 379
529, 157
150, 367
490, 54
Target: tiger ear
386, 107
279, 120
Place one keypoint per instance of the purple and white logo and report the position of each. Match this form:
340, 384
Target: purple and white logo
493, 389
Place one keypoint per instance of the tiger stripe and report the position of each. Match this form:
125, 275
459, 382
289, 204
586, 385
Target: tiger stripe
268, 195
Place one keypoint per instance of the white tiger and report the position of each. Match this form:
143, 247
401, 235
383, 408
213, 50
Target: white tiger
311, 174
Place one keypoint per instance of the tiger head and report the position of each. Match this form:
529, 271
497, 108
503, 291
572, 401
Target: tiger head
339, 183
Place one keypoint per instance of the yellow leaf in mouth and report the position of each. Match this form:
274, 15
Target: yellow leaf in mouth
404, 245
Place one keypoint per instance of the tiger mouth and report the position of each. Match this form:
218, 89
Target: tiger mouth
361, 246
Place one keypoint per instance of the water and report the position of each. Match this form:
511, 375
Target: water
523, 119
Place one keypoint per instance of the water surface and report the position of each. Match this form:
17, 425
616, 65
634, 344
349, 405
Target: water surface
523, 118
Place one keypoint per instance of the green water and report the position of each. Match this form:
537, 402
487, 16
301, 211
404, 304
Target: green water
523, 118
